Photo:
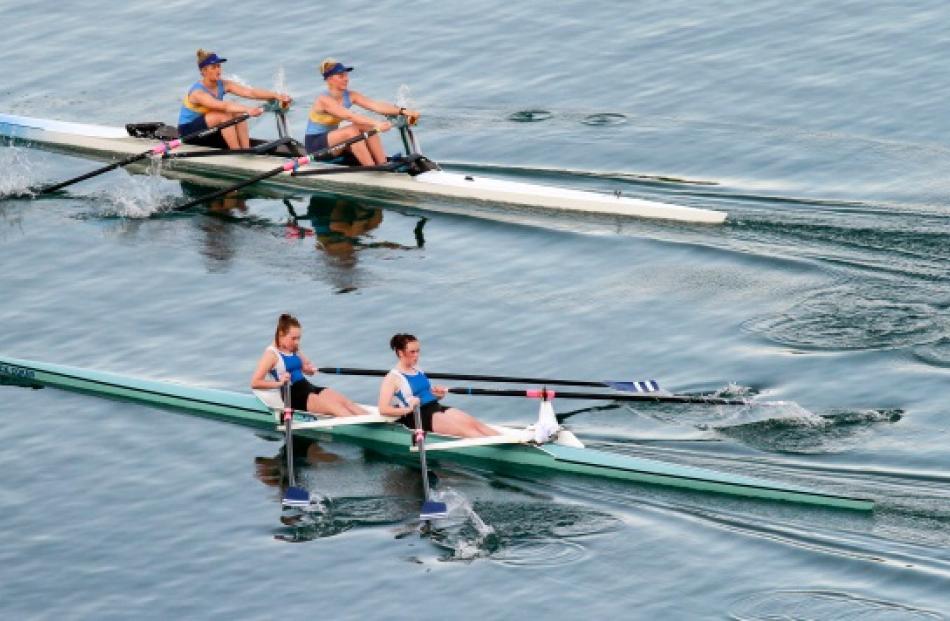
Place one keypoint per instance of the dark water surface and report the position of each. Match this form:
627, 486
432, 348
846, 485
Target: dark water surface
820, 128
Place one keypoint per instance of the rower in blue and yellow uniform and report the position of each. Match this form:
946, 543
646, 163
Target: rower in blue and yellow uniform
203, 106
333, 106
406, 386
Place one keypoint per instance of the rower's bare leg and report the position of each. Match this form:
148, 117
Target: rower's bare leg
376, 149
362, 154
229, 134
243, 135
331, 402
455, 422
359, 150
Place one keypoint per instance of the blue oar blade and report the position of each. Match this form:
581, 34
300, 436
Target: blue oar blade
644, 386
432, 510
296, 497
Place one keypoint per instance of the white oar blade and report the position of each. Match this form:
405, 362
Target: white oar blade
547, 426
644, 386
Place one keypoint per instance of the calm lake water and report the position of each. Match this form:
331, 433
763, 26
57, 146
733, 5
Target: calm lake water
820, 128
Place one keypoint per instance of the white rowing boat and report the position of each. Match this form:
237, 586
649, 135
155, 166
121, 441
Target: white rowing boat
415, 187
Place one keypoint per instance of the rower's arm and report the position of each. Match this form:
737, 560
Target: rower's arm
381, 107
308, 367
204, 99
329, 104
386, 392
250, 92
259, 380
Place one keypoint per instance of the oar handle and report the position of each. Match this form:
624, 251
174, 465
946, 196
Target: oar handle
274, 105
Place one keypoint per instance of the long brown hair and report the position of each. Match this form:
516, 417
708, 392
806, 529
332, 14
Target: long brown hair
284, 323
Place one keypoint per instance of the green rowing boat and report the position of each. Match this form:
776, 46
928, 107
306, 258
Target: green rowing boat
248, 409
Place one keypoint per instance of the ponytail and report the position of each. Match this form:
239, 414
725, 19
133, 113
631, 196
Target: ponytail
284, 323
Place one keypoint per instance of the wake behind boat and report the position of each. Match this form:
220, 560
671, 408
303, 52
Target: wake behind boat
412, 179
514, 448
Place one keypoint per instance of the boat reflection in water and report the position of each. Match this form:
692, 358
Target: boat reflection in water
220, 242
340, 226
342, 229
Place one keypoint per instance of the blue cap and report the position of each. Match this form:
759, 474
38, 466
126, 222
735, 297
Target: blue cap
214, 59
335, 69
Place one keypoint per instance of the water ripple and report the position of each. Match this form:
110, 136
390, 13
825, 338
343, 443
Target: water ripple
524, 534
604, 118
530, 116
857, 316
808, 604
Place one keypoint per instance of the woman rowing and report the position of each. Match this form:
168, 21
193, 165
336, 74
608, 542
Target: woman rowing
333, 106
203, 106
282, 363
406, 387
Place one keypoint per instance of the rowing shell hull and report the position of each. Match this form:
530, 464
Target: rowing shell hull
112, 143
246, 409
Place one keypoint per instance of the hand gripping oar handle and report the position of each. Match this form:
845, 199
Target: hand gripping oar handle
288, 166
159, 149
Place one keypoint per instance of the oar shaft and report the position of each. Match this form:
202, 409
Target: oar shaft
503, 379
288, 416
156, 150
420, 438
288, 166
551, 394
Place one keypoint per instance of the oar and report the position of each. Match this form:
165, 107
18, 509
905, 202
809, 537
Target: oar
288, 166
625, 386
158, 149
431, 509
293, 496
550, 394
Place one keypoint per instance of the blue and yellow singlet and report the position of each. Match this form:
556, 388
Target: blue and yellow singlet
190, 111
324, 122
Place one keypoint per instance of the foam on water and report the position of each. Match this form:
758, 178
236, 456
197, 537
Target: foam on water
20, 171
137, 196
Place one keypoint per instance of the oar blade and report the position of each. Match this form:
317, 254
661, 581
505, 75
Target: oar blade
642, 386
433, 510
296, 497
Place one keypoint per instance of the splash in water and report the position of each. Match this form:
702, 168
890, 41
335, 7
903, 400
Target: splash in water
138, 196
18, 172
404, 97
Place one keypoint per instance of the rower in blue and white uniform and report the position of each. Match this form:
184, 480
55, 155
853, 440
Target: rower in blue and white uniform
283, 363
407, 386
333, 107
203, 106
